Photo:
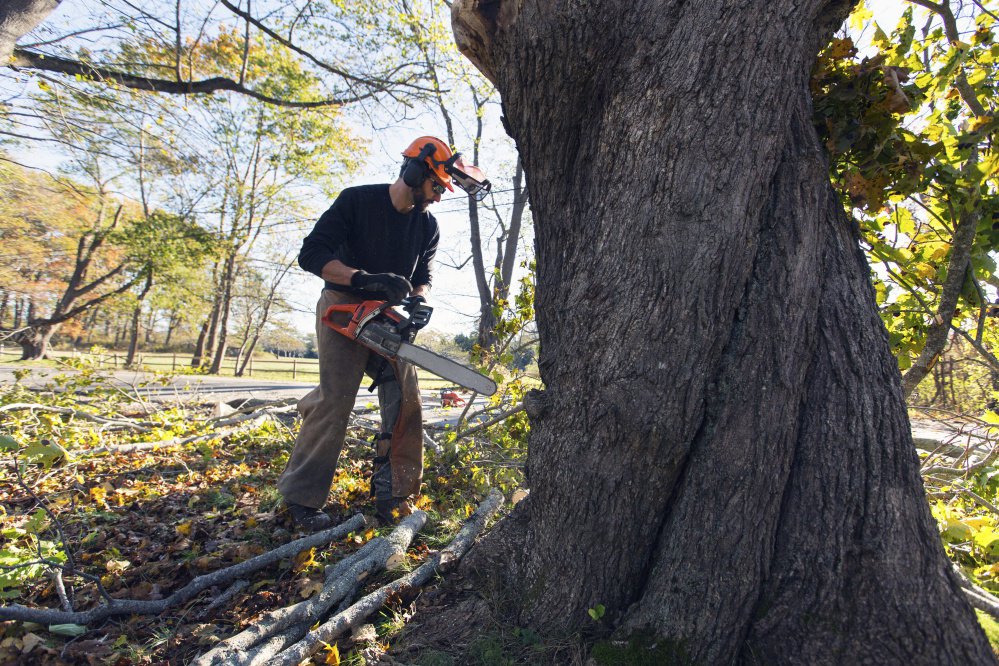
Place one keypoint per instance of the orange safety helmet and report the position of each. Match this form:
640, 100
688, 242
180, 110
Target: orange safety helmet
436, 160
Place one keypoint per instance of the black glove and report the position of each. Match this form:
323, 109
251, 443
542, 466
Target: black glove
393, 287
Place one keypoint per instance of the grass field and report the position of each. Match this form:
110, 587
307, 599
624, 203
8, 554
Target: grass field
261, 367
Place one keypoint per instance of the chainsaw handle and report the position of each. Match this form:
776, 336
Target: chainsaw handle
359, 313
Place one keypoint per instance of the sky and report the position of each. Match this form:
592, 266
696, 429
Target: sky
454, 293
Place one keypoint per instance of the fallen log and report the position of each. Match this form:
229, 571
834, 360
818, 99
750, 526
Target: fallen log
225, 427
354, 615
977, 596
266, 637
140, 426
186, 593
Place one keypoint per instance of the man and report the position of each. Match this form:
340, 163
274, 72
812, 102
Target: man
377, 242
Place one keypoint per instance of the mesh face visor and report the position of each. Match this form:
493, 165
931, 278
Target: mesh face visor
469, 177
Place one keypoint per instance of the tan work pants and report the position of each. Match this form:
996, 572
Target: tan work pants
326, 409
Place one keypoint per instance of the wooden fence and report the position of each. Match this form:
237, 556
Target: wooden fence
296, 368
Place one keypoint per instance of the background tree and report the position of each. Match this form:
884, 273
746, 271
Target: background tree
368, 65
768, 508
910, 131
259, 299
163, 245
461, 91
79, 268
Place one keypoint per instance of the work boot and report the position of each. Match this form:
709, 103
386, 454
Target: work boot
390, 511
309, 519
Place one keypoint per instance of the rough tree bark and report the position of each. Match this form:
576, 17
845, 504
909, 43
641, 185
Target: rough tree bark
692, 257
18, 18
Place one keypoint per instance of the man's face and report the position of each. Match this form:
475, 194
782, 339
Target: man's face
424, 195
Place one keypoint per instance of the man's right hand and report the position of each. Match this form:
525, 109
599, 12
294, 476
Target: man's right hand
395, 287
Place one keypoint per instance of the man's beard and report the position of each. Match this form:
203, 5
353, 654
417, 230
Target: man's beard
420, 202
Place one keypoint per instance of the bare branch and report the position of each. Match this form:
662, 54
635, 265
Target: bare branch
354, 615
23, 58
186, 593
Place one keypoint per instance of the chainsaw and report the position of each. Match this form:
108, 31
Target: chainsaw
383, 330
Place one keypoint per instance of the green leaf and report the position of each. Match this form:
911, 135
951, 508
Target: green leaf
36, 522
44, 453
597, 612
8, 443
72, 630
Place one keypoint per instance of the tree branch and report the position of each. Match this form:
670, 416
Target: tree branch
23, 58
354, 615
186, 593
144, 426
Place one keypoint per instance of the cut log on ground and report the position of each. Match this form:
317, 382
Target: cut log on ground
269, 635
186, 593
355, 615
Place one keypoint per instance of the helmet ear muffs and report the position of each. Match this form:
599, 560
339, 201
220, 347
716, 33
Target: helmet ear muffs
414, 172
416, 169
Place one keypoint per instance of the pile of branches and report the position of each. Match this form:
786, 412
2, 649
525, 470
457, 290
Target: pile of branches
289, 635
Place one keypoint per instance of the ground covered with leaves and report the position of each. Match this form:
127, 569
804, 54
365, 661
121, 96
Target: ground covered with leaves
140, 502
107, 497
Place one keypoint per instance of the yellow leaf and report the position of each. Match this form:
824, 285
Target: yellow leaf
860, 16
99, 495
980, 122
305, 559
332, 655
841, 48
925, 270
117, 566
184, 529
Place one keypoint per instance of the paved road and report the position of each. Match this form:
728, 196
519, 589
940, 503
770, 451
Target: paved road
207, 388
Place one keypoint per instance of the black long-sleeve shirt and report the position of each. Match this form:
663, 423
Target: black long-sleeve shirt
364, 230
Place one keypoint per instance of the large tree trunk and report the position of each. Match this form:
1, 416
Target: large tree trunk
725, 460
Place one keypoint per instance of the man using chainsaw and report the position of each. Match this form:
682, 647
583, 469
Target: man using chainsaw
377, 242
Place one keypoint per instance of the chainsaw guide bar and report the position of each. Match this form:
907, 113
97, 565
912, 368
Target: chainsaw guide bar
376, 326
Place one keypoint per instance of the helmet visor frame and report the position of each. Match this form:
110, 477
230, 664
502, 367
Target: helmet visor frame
469, 178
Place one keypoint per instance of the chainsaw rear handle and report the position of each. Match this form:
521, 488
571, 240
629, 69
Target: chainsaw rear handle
360, 314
